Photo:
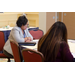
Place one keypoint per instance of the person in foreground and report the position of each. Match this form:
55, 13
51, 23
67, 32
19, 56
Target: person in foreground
54, 45
18, 34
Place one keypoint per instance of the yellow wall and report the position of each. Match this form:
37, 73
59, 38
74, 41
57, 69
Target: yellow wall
9, 18
33, 20
42, 21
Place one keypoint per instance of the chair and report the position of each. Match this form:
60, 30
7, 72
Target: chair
2, 42
33, 28
37, 34
16, 52
32, 56
6, 34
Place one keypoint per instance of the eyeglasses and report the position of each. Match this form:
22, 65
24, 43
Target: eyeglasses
27, 25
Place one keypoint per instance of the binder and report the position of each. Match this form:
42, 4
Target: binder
27, 43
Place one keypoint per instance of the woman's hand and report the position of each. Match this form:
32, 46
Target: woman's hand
25, 38
28, 39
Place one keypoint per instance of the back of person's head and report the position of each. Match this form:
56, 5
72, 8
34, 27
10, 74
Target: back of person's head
22, 20
49, 44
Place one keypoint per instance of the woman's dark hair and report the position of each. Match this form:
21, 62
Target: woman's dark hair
22, 20
49, 44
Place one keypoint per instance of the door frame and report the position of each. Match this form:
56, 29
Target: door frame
62, 16
56, 16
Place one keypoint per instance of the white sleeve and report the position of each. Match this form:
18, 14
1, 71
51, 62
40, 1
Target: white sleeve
16, 35
28, 34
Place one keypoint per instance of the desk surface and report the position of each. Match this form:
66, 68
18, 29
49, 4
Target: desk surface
5, 29
72, 45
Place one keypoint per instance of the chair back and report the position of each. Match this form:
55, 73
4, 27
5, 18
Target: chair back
2, 41
32, 56
15, 50
37, 34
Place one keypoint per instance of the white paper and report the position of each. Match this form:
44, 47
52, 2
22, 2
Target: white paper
31, 47
72, 41
35, 41
73, 55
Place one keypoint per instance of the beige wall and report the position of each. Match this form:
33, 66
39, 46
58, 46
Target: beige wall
9, 18
50, 20
42, 21
46, 20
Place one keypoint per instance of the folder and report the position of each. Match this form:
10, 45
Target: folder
27, 43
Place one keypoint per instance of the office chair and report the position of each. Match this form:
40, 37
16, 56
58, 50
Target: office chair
16, 51
32, 56
2, 42
37, 34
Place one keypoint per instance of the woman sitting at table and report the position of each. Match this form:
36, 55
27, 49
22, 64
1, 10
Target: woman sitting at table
54, 44
18, 34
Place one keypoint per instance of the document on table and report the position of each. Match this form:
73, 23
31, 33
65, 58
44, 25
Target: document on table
35, 41
32, 47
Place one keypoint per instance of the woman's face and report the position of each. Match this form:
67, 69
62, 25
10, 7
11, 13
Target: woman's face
24, 27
